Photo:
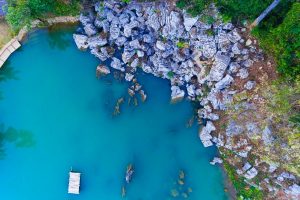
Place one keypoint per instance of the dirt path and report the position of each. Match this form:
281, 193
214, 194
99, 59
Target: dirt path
5, 35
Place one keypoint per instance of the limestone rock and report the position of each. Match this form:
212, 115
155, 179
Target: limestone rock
249, 85
219, 67
250, 174
216, 160
90, 30
153, 21
224, 83
248, 42
243, 73
177, 94
96, 41
120, 41
160, 45
81, 41
205, 132
116, 64
102, 70
114, 32
129, 77
189, 22
128, 28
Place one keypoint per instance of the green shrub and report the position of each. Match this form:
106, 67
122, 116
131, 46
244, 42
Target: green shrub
18, 15
193, 7
283, 42
21, 12
181, 4
181, 44
240, 10
61, 8
208, 19
126, 1
243, 190
170, 74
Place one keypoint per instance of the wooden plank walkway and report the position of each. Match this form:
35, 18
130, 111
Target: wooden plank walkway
8, 49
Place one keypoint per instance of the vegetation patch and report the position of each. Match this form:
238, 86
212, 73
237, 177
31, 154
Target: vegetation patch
181, 44
283, 41
21, 13
193, 7
244, 191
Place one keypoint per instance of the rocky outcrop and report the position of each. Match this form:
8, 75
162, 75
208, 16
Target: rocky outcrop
177, 94
81, 41
102, 70
200, 60
205, 134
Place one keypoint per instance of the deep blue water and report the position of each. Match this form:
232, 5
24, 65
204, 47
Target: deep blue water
66, 115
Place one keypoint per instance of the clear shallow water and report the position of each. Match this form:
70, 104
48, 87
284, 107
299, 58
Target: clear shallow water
68, 114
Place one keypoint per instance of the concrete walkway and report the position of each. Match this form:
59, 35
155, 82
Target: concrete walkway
7, 50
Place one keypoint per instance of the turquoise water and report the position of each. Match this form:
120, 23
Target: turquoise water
67, 115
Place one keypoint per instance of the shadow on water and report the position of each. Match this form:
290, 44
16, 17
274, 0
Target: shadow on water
59, 39
8, 73
20, 138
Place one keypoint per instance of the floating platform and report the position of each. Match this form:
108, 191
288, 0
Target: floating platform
74, 183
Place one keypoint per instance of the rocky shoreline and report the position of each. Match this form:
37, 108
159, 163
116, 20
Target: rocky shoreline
202, 61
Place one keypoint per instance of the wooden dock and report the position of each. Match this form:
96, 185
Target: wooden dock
74, 183
8, 49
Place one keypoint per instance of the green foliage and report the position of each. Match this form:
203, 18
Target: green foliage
239, 10
181, 44
295, 119
181, 4
277, 15
283, 42
18, 15
208, 19
210, 32
61, 8
282, 103
170, 74
126, 1
22, 12
244, 191
194, 7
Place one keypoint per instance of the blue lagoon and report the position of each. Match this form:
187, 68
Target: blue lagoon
64, 118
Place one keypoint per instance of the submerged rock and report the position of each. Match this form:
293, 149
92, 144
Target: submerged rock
102, 70
143, 95
216, 160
